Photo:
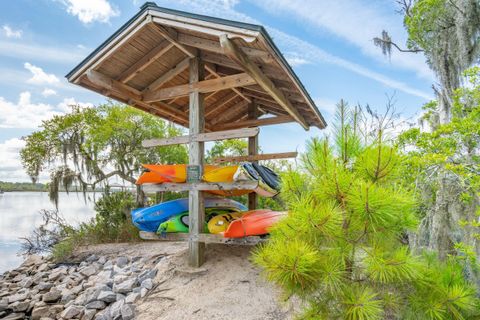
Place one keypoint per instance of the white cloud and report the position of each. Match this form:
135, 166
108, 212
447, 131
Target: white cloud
10, 165
89, 11
295, 60
11, 33
325, 105
33, 51
48, 92
24, 114
67, 103
39, 76
354, 22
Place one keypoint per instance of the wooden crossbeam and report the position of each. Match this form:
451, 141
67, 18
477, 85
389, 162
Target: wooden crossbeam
172, 36
201, 186
203, 237
214, 46
257, 157
233, 110
255, 123
236, 54
211, 136
167, 76
110, 84
213, 70
233, 81
220, 103
144, 62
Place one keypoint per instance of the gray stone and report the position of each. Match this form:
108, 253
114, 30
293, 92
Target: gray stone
116, 309
99, 305
107, 296
120, 296
143, 292
15, 316
52, 296
132, 297
72, 312
125, 286
42, 286
122, 261
92, 294
147, 274
37, 278
89, 314
43, 267
147, 284
32, 260
136, 290
128, 312
89, 271
119, 278
19, 277
26, 283
3, 304
68, 295
20, 306
17, 297
102, 260
92, 258
108, 265
57, 274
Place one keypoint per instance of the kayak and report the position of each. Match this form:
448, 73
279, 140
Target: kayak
150, 218
219, 223
268, 182
253, 223
179, 223
173, 172
224, 174
150, 177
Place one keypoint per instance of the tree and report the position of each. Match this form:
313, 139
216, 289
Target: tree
89, 146
342, 249
446, 32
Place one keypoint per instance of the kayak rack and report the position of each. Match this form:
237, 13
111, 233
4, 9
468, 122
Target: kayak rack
201, 186
202, 237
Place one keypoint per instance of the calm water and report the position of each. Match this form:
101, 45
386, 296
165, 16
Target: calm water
19, 215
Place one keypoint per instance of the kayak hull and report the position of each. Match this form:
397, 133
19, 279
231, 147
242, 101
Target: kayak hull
253, 223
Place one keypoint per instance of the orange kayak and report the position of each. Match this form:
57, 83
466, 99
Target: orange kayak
253, 223
150, 177
173, 172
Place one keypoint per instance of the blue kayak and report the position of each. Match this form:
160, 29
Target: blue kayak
149, 219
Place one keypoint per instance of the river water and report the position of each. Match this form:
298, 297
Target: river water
19, 215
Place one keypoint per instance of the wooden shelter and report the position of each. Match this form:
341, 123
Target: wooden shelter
214, 76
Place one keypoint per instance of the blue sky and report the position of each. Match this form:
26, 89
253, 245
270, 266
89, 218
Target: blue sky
328, 43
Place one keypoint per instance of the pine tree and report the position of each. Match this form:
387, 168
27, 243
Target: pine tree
342, 249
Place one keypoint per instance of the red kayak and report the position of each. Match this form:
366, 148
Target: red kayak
253, 223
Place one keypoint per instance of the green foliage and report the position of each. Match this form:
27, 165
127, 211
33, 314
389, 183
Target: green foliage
21, 186
341, 249
224, 148
88, 146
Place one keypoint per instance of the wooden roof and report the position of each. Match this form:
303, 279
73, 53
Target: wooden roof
145, 64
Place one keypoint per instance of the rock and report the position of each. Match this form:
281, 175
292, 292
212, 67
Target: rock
102, 260
3, 304
43, 267
107, 296
147, 284
147, 274
57, 274
120, 296
15, 316
119, 278
68, 295
32, 260
37, 278
20, 306
17, 297
41, 312
132, 297
143, 292
91, 294
128, 312
52, 296
89, 314
89, 271
42, 286
125, 286
19, 277
108, 265
26, 283
92, 258
99, 305
122, 262
71, 312
116, 309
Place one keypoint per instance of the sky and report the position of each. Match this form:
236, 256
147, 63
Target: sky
328, 43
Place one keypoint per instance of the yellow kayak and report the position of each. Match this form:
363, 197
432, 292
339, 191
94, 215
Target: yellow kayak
224, 174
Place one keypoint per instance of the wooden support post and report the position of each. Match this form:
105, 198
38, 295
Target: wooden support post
252, 150
194, 171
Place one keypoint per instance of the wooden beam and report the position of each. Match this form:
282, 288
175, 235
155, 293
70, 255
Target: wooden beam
172, 36
211, 136
196, 151
226, 115
214, 46
257, 157
252, 151
235, 53
213, 70
110, 84
207, 238
201, 186
144, 62
255, 123
233, 81
220, 103
167, 76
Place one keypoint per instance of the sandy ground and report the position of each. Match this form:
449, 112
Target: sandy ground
227, 286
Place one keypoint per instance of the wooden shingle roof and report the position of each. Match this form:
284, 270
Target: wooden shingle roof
145, 64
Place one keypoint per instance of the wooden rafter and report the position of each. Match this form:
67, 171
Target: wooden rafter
220, 103
255, 123
213, 70
232, 111
235, 53
167, 76
144, 62
172, 36
233, 81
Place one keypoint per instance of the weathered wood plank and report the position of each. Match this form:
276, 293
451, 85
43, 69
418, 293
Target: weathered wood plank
205, 86
255, 123
252, 151
172, 36
143, 63
213, 70
236, 54
201, 186
211, 136
257, 157
167, 76
108, 83
204, 237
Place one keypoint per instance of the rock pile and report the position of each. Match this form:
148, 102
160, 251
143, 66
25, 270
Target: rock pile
99, 288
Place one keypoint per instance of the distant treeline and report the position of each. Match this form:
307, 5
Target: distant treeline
22, 186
